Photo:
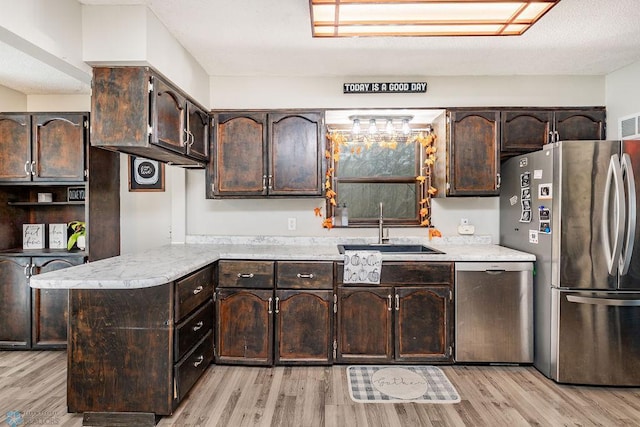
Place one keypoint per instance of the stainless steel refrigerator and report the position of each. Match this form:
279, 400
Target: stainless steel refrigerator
574, 204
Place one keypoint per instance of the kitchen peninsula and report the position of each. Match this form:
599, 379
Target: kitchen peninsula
141, 326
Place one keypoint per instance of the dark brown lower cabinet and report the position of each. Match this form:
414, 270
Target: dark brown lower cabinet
50, 307
33, 318
365, 332
423, 323
15, 302
244, 326
138, 350
408, 318
261, 320
303, 326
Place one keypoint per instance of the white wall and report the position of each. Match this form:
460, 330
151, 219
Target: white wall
622, 96
50, 31
133, 35
11, 100
56, 103
269, 217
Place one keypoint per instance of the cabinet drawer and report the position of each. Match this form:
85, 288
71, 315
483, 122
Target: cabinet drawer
245, 274
410, 273
193, 290
192, 329
189, 370
304, 275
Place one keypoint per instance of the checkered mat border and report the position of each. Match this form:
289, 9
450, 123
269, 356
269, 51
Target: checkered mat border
439, 389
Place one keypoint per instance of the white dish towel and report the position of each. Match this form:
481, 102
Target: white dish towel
362, 267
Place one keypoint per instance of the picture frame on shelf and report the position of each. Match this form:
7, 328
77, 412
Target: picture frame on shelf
32, 236
145, 174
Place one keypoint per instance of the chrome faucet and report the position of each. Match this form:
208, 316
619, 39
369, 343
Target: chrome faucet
382, 236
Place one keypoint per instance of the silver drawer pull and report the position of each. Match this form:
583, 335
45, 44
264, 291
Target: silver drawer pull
245, 276
198, 325
197, 290
305, 276
198, 361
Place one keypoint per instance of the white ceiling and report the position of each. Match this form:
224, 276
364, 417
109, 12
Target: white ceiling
273, 38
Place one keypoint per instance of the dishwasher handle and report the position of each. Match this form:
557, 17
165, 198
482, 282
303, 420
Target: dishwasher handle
495, 272
494, 267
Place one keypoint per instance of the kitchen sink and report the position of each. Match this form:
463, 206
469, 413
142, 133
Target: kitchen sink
390, 248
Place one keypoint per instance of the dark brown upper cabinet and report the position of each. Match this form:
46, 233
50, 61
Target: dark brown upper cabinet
261, 154
529, 129
137, 111
579, 124
525, 130
43, 147
474, 142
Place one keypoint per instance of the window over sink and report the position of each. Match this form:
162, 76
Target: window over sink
378, 156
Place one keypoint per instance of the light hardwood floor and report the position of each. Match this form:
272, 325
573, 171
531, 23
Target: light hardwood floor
35, 383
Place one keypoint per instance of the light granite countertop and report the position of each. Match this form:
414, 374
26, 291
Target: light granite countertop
167, 263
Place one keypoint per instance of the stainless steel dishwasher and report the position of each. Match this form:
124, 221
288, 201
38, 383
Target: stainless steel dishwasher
494, 312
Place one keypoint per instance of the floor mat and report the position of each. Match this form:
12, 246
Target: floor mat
380, 383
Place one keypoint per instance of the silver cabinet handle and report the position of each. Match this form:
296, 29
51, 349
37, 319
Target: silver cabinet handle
264, 182
198, 361
389, 302
277, 305
397, 302
305, 276
269, 305
26, 270
198, 326
33, 168
270, 182
185, 141
26, 168
192, 138
245, 275
197, 290
557, 136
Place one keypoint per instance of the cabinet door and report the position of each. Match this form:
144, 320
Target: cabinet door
198, 125
239, 161
50, 307
168, 116
473, 146
303, 327
364, 331
585, 124
295, 154
423, 323
59, 147
15, 302
244, 326
15, 147
525, 131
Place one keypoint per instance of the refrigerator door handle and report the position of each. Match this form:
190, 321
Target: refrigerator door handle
627, 249
612, 255
616, 302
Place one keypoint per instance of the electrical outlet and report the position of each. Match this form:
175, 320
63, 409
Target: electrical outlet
291, 224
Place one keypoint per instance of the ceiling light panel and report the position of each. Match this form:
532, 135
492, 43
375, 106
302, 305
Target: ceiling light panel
351, 18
